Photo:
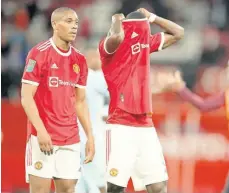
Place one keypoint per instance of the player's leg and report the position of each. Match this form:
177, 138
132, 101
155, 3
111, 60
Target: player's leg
39, 185
103, 189
39, 167
89, 175
65, 186
160, 187
99, 162
112, 188
89, 172
122, 157
151, 164
67, 168
81, 186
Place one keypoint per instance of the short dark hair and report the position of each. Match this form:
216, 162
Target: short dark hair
135, 15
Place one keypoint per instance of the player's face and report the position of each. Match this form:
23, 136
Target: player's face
68, 26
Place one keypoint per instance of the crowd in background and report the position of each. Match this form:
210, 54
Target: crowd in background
27, 22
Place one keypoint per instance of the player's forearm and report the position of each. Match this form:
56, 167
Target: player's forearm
83, 116
170, 27
208, 104
116, 34
117, 27
32, 113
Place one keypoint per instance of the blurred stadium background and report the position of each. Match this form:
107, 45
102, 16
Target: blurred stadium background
195, 144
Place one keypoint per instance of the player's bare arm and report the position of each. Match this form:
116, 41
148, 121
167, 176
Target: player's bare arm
84, 118
27, 93
116, 33
208, 104
174, 82
173, 32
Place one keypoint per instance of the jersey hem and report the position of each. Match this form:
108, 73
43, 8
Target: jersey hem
130, 124
162, 41
59, 143
30, 82
80, 86
104, 47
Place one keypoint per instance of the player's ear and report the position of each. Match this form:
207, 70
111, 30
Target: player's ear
53, 25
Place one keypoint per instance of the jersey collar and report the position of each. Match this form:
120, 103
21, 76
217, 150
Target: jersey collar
58, 51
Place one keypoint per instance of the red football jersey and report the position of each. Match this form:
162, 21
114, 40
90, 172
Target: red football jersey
56, 75
120, 67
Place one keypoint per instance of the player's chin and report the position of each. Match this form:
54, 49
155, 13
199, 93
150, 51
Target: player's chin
71, 38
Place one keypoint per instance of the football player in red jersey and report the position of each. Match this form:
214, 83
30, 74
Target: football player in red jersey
53, 96
135, 150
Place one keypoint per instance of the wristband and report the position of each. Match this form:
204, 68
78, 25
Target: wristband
152, 18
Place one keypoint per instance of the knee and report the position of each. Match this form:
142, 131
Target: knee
112, 188
39, 189
67, 189
157, 188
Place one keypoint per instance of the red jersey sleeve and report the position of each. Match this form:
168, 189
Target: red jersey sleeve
102, 48
156, 42
32, 71
82, 82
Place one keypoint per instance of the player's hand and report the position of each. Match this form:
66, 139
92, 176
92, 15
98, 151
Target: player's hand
177, 83
169, 81
45, 142
104, 118
90, 150
118, 17
145, 12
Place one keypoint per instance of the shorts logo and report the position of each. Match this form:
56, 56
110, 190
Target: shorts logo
113, 172
30, 66
76, 68
38, 165
53, 81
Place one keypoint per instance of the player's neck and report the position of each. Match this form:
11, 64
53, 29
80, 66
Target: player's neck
63, 45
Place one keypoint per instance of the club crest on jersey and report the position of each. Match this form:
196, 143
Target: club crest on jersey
76, 68
30, 66
38, 165
113, 172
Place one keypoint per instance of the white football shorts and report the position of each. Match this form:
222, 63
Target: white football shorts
64, 163
134, 152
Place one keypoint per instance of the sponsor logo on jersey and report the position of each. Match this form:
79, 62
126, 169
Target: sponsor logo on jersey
76, 68
136, 48
53, 81
113, 172
56, 82
38, 165
30, 66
